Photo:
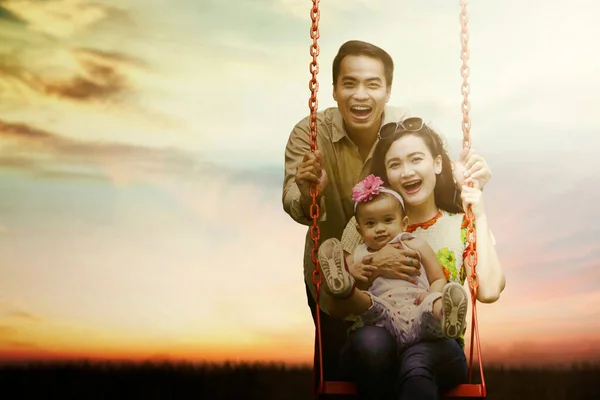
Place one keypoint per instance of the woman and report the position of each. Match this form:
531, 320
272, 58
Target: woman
411, 159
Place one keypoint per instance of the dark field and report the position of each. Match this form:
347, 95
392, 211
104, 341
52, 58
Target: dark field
268, 382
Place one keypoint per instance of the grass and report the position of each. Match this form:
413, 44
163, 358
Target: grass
84, 380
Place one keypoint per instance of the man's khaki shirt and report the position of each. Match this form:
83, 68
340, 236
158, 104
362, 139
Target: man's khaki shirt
344, 167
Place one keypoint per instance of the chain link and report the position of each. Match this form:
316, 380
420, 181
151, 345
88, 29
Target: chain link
313, 104
466, 128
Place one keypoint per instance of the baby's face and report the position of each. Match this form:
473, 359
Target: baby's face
380, 220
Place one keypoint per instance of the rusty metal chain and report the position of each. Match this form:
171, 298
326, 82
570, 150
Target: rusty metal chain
466, 128
315, 232
465, 72
313, 104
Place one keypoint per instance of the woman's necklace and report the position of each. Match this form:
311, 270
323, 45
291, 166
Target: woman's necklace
424, 225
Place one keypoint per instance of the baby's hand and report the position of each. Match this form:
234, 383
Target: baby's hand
420, 298
362, 273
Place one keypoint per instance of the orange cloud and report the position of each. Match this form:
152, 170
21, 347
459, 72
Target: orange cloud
30, 148
98, 76
259, 260
59, 18
22, 315
9, 310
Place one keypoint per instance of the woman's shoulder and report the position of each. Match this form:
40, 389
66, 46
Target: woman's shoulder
453, 218
452, 214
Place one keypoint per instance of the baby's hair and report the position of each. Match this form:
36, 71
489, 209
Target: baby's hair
378, 197
369, 189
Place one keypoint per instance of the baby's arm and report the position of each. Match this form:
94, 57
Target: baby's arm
433, 268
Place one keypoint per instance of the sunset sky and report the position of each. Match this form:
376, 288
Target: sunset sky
141, 165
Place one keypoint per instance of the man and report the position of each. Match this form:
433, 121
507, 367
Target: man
346, 137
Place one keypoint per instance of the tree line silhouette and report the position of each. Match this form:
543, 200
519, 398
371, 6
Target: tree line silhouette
165, 380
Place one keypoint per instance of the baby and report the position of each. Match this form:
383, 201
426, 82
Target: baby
430, 309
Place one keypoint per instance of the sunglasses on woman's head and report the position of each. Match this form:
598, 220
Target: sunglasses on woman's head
412, 124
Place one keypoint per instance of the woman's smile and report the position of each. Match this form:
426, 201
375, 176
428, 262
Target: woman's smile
413, 186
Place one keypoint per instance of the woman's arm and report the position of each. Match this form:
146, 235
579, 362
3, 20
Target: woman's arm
394, 262
489, 270
390, 262
431, 264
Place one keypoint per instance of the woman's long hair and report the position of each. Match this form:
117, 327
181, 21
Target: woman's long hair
446, 193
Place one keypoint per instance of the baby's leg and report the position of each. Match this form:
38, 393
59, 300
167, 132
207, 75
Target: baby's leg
383, 315
342, 295
428, 317
450, 309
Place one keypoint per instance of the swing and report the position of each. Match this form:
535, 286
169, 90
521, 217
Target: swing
324, 388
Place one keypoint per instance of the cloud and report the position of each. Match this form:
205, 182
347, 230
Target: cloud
209, 219
6, 15
540, 208
59, 18
521, 215
93, 75
61, 83
19, 344
186, 224
237, 20
39, 139
259, 279
97, 80
15, 323
23, 131
111, 57
331, 10
31, 147
7, 331
38, 74
24, 316
49, 155
12, 312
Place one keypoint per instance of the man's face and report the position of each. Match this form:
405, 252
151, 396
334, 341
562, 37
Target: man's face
361, 92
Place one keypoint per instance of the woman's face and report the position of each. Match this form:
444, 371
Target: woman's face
411, 169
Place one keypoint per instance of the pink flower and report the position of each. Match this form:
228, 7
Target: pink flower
366, 189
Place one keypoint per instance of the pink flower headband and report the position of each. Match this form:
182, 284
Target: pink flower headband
370, 187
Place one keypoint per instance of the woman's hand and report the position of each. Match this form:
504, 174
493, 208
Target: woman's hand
474, 197
471, 167
395, 262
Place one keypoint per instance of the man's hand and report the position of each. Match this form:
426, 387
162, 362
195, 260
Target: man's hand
395, 262
470, 166
311, 171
